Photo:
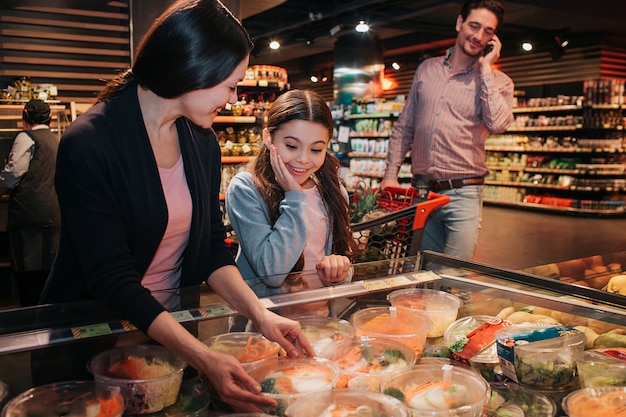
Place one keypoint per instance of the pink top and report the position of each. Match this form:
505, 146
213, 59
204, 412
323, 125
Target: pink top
314, 216
164, 271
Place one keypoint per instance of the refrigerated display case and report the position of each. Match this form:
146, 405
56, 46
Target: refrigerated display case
57, 340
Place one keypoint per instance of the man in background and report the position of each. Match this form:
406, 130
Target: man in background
33, 219
456, 101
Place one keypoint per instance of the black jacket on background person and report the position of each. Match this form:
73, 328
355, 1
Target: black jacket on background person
33, 218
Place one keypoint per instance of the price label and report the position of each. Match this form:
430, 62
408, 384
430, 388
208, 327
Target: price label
397, 281
182, 316
217, 311
91, 331
375, 285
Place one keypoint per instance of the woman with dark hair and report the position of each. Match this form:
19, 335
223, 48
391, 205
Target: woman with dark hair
138, 180
289, 210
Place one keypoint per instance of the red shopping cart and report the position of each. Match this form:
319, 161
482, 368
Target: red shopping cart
398, 231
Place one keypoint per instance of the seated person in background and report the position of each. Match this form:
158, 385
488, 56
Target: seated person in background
289, 210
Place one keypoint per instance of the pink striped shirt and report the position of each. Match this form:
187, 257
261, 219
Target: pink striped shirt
447, 119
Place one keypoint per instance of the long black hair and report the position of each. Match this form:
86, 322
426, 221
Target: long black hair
194, 44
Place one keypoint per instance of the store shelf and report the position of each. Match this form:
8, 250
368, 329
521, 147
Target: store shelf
235, 119
235, 159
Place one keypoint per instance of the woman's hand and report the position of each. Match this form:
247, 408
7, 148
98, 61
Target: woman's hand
285, 332
283, 177
333, 268
233, 385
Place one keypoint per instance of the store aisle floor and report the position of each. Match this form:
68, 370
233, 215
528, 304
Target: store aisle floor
515, 239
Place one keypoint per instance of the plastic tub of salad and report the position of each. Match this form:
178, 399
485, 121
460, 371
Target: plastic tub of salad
69, 398
149, 376
364, 361
440, 306
347, 402
540, 357
596, 402
321, 330
439, 390
247, 347
508, 401
402, 324
286, 380
605, 367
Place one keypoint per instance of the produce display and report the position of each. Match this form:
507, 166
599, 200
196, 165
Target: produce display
247, 347
72, 398
149, 376
363, 361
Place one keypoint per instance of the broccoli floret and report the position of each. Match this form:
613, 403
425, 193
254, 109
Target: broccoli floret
394, 355
395, 392
459, 344
267, 385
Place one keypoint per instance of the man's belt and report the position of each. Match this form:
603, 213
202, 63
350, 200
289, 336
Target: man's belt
438, 185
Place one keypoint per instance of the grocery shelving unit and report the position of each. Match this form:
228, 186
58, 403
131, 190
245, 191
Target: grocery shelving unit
566, 158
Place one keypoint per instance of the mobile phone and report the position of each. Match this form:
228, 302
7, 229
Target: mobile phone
487, 49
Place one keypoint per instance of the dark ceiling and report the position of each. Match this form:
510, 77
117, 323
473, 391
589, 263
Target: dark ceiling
407, 27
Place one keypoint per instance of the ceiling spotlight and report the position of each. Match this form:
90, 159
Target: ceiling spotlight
395, 66
324, 79
274, 45
562, 42
527, 46
335, 30
314, 78
362, 27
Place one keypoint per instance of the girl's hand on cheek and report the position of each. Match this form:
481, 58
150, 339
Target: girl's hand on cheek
283, 177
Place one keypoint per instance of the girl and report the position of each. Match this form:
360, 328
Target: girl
289, 209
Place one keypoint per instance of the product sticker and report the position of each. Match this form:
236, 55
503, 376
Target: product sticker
91, 331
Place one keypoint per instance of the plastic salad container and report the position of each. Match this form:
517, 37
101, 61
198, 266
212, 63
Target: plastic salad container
286, 380
364, 361
518, 401
402, 324
441, 307
69, 398
439, 390
247, 347
321, 330
149, 376
347, 402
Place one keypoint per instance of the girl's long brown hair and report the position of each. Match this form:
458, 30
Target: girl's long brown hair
308, 106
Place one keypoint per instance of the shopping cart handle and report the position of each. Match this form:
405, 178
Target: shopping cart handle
424, 208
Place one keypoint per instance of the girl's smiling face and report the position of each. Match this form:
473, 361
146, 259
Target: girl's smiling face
302, 147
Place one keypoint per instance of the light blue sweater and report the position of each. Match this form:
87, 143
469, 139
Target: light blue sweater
267, 253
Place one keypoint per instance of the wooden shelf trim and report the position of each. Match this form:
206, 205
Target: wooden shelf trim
63, 49
74, 12
63, 23
62, 36
63, 62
